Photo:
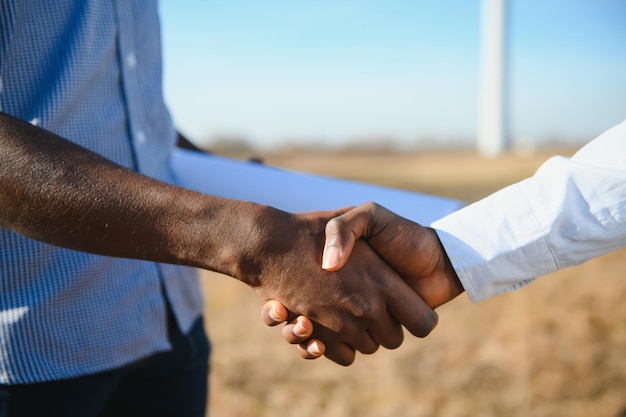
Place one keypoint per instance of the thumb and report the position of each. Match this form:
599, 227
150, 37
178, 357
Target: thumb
342, 232
337, 247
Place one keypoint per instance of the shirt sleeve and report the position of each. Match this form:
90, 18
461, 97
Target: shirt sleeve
571, 210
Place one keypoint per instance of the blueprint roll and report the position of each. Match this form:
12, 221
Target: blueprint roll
297, 191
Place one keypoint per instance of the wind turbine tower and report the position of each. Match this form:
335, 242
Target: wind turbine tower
492, 121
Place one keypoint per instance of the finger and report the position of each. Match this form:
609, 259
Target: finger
330, 344
312, 349
298, 330
344, 230
366, 344
379, 289
338, 244
336, 349
340, 353
274, 313
410, 310
387, 332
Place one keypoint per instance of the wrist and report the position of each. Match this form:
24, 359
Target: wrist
235, 238
455, 285
214, 233
449, 281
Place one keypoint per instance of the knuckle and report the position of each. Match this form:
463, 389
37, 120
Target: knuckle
371, 208
335, 225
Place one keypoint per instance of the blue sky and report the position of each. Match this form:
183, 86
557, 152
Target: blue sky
355, 71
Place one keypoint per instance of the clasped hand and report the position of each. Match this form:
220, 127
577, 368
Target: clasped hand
365, 241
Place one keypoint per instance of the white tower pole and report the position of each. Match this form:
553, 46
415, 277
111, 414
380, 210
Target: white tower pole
492, 126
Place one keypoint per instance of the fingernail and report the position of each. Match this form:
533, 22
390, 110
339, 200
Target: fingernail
274, 316
330, 258
298, 329
314, 349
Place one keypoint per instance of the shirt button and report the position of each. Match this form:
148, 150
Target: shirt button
131, 60
140, 136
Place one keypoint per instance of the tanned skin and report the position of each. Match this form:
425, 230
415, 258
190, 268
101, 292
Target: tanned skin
57, 192
412, 250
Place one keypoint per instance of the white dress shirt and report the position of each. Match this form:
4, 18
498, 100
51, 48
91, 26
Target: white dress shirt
571, 210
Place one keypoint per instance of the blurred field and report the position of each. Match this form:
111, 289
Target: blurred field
554, 348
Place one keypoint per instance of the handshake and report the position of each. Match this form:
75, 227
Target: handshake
382, 272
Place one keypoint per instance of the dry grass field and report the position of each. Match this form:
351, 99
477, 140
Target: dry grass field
555, 348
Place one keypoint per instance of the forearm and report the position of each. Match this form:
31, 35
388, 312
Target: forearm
62, 194
57, 192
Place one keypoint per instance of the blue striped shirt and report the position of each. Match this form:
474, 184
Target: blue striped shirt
89, 71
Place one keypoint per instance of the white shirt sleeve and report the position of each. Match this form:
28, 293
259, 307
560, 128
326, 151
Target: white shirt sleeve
571, 210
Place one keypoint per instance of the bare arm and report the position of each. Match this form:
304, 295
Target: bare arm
60, 193
57, 192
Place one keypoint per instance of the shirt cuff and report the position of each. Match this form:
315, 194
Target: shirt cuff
490, 243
